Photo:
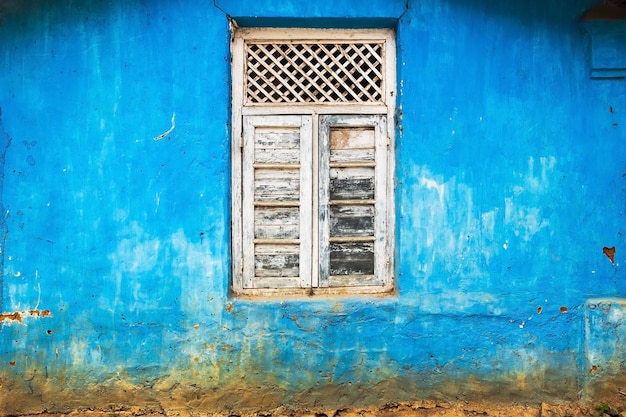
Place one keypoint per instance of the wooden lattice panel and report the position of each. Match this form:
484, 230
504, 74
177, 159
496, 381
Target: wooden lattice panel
338, 72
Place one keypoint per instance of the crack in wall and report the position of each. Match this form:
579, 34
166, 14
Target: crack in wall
5, 142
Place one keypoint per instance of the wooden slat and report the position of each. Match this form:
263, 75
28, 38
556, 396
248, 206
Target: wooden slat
277, 282
276, 185
352, 202
277, 146
277, 137
272, 156
352, 239
348, 156
355, 138
354, 280
275, 166
257, 109
276, 223
276, 203
352, 183
277, 260
352, 222
353, 164
276, 216
268, 241
352, 258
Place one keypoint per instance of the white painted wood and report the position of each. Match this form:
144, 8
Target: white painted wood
391, 95
275, 222
276, 204
236, 148
315, 215
307, 108
316, 66
349, 239
324, 201
247, 210
322, 35
352, 139
351, 221
372, 201
382, 196
353, 190
306, 196
347, 281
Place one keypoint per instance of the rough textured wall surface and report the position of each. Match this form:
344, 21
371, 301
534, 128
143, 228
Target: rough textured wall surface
114, 152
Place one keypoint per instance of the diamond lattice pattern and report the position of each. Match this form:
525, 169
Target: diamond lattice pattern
314, 72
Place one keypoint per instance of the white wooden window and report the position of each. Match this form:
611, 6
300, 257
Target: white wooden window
312, 157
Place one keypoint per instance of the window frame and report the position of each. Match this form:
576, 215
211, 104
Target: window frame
318, 113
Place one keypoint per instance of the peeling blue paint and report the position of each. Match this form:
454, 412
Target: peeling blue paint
510, 180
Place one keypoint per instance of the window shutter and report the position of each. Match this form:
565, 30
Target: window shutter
353, 196
276, 201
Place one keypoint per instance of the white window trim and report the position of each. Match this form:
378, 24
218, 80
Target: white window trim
384, 261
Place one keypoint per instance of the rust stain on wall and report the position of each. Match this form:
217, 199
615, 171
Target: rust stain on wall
11, 317
610, 253
19, 315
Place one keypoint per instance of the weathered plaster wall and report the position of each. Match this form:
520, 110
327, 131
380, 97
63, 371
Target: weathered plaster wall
115, 246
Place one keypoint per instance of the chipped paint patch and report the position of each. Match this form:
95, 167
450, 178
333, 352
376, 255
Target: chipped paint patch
162, 135
610, 253
18, 316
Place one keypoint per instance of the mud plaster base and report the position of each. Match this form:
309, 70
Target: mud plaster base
40, 394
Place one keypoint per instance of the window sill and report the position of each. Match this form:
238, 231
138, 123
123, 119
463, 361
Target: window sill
313, 293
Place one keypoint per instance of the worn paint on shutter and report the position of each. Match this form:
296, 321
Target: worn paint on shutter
351, 232
350, 183
277, 223
276, 201
351, 220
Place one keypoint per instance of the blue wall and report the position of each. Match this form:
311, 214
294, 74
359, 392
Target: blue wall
510, 180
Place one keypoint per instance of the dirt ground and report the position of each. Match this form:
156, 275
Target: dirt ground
615, 407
